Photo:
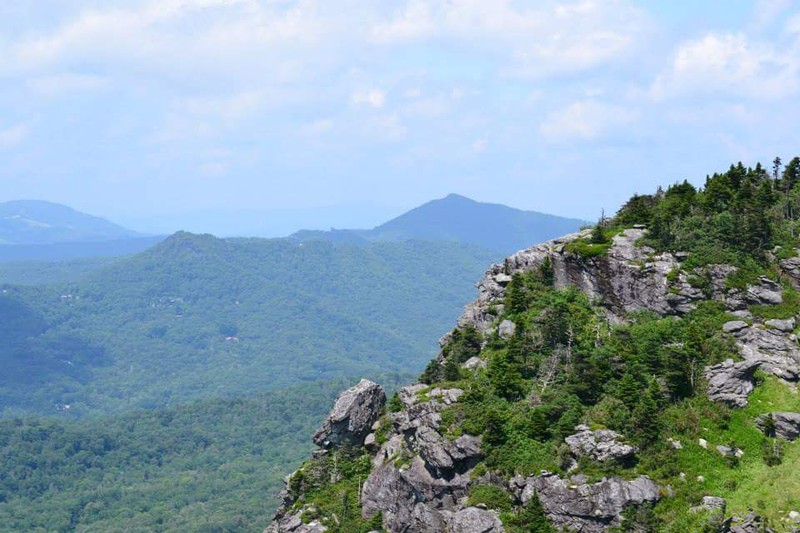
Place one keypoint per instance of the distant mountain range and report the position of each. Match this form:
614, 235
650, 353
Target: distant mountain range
32, 230
459, 219
33, 222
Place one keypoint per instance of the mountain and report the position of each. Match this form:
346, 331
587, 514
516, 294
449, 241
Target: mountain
73, 251
197, 317
38, 222
458, 219
638, 376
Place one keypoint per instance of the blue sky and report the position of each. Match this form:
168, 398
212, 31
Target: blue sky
152, 110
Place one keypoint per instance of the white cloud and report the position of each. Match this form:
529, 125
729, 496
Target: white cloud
552, 37
730, 64
585, 120
374, 98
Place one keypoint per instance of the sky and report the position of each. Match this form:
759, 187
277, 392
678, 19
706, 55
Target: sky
155, 112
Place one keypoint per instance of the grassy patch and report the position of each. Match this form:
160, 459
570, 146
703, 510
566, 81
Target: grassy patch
789, 308
746, 484
491, 496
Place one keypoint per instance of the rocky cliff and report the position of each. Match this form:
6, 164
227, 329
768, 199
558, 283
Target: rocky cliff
422, 472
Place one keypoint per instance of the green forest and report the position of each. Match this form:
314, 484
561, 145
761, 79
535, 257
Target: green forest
208, 466
199, 317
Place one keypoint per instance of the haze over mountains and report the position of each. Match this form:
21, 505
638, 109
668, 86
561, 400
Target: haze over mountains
32, 230
460, 219
38, 222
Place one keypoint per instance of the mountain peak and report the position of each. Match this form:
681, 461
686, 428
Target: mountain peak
42, 222
458, 218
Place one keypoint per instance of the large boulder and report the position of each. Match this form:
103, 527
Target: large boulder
352, 416
784, 425
590, 508
601, 445
731, 382
293, 523
473, 520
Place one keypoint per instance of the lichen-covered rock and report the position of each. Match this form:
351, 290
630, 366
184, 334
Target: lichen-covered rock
731, 382
352, 416
785, 325
591, 508
506, 329
713, 503
601, 445
473, 520
784, 425
294, 524
733, 326
777, 351
474, 363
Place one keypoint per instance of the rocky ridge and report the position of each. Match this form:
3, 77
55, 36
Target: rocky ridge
421, 478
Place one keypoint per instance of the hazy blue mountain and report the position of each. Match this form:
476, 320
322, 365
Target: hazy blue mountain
70, 251
38, 222
197, 316
459, 219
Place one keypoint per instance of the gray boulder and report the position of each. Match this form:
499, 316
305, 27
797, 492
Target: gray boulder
731, 382
712, 503
777, 350
506, 329
474, 363
473, 520
767, 292
590, 508
785, 325
294, 524
601, 445
786, 425
352, 416
733, 326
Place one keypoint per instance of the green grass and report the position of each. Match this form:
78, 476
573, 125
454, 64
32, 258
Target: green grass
789, 308
772, 491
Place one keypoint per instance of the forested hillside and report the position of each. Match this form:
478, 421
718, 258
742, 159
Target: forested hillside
38, 222
198, 317
209, 466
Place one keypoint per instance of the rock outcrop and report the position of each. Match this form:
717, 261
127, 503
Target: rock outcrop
422, 472
352, 417
783, 425
601, 445
574, 504
731, 382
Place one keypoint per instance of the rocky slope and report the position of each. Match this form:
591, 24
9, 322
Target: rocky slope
421, 475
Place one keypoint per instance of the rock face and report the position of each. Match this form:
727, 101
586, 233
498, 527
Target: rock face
601, 445
473, 520
785, 425
352, 417
425, 492
591, 508
294, 524
421, 474
631, 277
731, 382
